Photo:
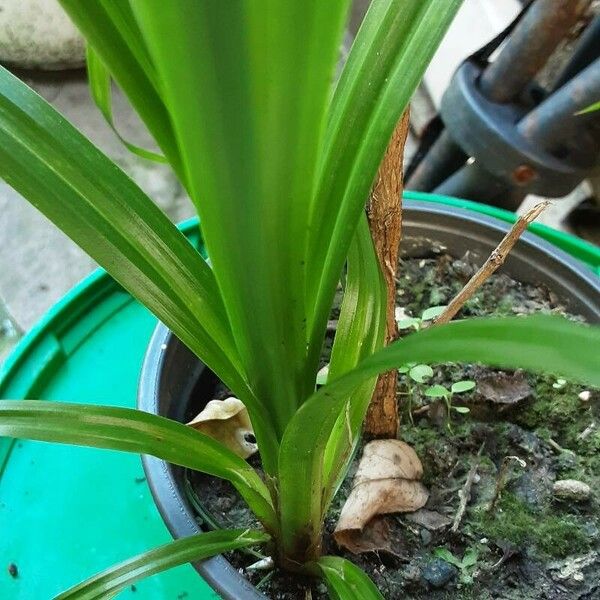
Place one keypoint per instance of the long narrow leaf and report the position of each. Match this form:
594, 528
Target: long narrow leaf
540, 343
112, 31
69, 180
346, 581
132, 430
360, 332
198, 547
100, 83
361, 325
387, 60
249, 118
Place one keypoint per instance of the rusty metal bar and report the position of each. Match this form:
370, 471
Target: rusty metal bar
555, 121
527, 49
586, 51
473, 182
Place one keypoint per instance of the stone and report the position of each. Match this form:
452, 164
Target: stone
430, 519
571, 489
426, 537
531, 487
437, 573
39, 34
412, 573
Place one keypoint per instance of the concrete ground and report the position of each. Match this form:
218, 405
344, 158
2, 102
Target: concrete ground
38, 263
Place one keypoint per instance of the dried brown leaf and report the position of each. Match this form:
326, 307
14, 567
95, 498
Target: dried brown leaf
387, 481
227, 421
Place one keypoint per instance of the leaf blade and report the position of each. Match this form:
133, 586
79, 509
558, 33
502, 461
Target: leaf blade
68, 179
109, 27
131, 430
100, 89
193, 548
250, 58
360, 331
346, 581
386, 62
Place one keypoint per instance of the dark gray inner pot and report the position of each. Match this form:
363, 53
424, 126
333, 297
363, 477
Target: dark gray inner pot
171, 375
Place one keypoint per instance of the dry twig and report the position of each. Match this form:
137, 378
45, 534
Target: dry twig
465, 493
495, 260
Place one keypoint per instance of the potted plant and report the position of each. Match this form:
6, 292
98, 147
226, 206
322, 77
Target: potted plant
238, 97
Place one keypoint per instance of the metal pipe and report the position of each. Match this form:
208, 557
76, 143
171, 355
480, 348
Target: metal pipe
586, 51
475, 183
556, 120
535, 37
443, 158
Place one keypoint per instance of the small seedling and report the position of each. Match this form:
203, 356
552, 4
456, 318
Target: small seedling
417, 373
459, 387
559, 383
416, 323
464, 565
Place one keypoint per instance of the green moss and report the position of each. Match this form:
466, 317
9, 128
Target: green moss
557, 410
513, 521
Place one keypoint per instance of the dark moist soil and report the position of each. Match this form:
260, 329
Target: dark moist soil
532, 546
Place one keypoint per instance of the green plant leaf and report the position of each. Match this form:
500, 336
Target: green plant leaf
463, 410
541, 343
409, 322
447, 556
249, 142
589, 109
112, 31
100, 88
432, 312
136, 431
361, 324
198, 547
421, 373
360, 331
470, 558
437, 391
345, 580
390, 53
460, 387
68, 179
77, 187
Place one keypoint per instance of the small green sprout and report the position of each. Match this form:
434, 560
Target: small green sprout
421, 373
417, 373
464, 565
459, 387
416, 323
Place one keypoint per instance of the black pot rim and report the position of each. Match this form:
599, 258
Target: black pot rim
175, 508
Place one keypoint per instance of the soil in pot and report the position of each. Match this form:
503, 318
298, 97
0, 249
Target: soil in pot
538, 541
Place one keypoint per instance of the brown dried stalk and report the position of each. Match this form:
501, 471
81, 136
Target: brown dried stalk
495, 261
